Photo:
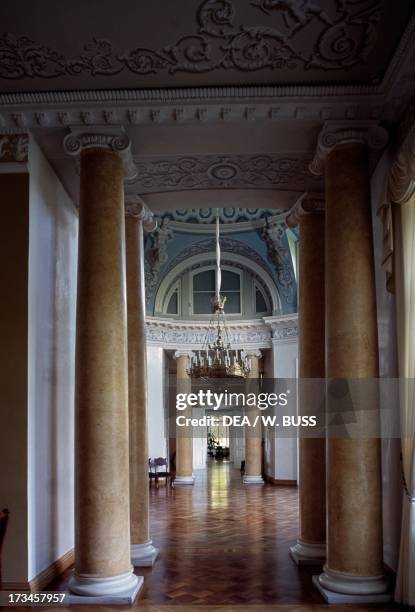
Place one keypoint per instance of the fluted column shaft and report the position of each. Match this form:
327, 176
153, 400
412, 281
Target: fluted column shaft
102, 512
354, 525
142, 551
311, 544
253, 434
184, 439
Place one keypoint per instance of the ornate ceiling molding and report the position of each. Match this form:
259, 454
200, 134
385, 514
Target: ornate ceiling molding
340, 38
308, 203
80, 139
223, 171
135, 207
14, 148
338, 133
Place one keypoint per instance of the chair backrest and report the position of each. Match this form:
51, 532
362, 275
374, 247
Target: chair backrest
160, 462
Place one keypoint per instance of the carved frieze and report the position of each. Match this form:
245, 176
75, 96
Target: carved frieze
223, 171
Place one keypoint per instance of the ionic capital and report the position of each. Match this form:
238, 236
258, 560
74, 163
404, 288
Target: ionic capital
105, 137
306, 204
184, 353
253, 353
338, 133
135, 207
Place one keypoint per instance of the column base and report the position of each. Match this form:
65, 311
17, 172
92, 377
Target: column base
144, 555
184, 480
90, 590
253, 479
336, 587
308, 554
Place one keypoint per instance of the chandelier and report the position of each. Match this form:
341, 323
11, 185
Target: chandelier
217, 358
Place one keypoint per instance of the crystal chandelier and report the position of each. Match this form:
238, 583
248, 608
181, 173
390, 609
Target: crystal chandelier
217, 359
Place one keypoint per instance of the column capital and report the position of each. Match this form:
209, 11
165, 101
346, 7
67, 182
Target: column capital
183, 353
338, 133
306, 204
135, 207
253, 353
14, 152
112, 138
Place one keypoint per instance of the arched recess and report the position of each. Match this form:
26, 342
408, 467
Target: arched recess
253, 267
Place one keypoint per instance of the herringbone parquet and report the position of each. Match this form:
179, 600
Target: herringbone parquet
224, 547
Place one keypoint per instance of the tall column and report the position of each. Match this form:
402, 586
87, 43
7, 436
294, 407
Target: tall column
103, 571
143, 553
184, 438
308, 213
253, 434
354, 570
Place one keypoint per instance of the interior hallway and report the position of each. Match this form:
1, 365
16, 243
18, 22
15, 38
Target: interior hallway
224, 544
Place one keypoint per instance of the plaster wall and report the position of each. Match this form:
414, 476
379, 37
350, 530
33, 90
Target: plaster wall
388, 368
53, 239
14, 270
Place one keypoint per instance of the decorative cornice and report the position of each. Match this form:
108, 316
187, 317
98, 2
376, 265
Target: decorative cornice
284, 328
338, 133
14, 148
111, 137
135, 207
249, 335
308, 203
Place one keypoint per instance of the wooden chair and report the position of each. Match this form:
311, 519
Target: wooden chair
4, 519
157, 472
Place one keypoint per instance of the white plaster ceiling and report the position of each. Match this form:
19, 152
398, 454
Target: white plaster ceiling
70, 44
223, 100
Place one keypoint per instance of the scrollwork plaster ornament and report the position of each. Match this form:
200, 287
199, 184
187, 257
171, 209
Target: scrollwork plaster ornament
338, 133
14, 148
341, 39
274, 234
157, 256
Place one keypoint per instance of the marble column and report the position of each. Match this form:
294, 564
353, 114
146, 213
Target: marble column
184, 438
308, 213
103, 572
253, 434
143, 553
354, 570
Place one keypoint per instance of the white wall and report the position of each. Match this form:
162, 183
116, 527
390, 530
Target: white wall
52, 301
388, 368
281, 457
157, 446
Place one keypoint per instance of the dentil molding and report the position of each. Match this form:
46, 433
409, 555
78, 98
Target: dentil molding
306, 204
112, 138
337, 133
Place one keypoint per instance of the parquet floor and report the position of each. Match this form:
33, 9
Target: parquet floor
224, 547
